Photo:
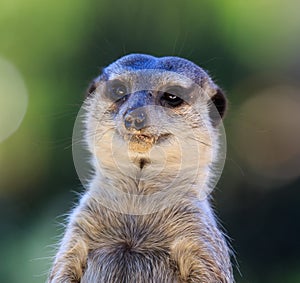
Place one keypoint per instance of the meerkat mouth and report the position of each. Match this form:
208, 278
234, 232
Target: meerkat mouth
142, 142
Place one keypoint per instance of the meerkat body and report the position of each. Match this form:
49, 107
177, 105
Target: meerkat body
151, 128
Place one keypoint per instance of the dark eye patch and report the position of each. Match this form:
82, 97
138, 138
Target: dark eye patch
116, 90
174, 96
169, 99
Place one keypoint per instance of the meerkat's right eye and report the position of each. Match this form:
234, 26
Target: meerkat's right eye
116, 90
119, 90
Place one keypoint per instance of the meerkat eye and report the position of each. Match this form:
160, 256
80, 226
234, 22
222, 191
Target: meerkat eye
116, 90
170, 99
119, 90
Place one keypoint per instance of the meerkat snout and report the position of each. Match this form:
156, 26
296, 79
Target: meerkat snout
136, 116
136, 119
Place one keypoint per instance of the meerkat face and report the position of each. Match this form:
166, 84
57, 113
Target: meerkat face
154, 115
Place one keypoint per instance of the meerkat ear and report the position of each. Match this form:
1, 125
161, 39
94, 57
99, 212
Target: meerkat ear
92, 87
217, 107
95, 83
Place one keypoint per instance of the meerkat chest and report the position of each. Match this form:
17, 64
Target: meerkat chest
131, 249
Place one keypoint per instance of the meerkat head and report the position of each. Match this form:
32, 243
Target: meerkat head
154, 118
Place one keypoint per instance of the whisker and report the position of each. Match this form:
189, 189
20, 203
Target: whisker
200, 141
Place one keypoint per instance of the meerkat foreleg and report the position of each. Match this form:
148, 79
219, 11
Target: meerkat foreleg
70, 261
196, 262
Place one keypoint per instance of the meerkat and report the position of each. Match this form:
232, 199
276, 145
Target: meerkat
150, 126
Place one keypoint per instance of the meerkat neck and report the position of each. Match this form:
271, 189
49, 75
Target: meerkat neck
136, 196
140, 185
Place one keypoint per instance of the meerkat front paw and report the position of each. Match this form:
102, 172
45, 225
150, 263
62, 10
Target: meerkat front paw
197, 264
64, 272
70, 262
62, 278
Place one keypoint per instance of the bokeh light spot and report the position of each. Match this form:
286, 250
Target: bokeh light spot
267, 134
13, 99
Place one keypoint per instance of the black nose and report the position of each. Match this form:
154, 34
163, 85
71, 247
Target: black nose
136, 119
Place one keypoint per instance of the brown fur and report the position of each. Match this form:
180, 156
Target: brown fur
177, 243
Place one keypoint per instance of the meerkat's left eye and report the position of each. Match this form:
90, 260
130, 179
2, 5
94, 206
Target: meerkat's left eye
171, 99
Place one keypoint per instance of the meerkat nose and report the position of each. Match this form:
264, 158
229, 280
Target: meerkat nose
136, 119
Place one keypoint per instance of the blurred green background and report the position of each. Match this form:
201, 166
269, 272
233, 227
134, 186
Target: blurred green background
251, 48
